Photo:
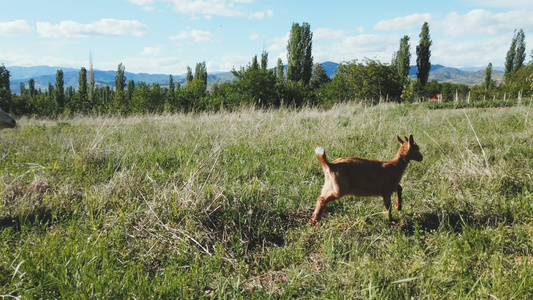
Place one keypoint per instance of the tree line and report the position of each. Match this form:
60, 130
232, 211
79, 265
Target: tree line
302, 82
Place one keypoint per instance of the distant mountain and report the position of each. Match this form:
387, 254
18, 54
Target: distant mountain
45, 74
33, 72
330, 68
458, 76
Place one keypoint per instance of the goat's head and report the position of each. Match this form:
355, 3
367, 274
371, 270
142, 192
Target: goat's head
409, 149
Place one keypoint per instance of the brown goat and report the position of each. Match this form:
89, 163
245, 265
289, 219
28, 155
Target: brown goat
363, 177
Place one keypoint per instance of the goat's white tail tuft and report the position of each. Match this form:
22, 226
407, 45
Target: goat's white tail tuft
319, 151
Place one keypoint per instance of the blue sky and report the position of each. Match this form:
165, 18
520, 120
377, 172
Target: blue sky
166, 36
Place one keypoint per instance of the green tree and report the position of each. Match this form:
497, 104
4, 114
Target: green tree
31, 87
50, 90
319, 77
193, 95
131, 89
22, 88
516, 55
120, 78
264, 60
280, 68
83, 96
60, 90
201, 73
157, 100
171, 86
299, 53
402, 60
488, 83
189, 77
370, 82
141, 98
256, 84
520, 54
120, 95
423, 55
92, 83
5, 89
509, 59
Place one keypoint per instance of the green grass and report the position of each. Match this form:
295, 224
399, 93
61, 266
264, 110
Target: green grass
215, 205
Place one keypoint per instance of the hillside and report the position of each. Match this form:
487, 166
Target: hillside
46, 74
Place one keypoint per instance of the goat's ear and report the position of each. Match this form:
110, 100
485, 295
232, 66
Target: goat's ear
400, 139
411, 140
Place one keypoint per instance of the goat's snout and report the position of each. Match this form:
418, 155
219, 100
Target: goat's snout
418, 157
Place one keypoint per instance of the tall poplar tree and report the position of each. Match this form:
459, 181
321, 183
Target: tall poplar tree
120, 78
488, 77
264, 60
5, 89
120, 84
31, 87
92, 83
423, 54
131, 90
59, 91
82, 90
515, 55
189, 75
171, 86
201, 73
520, 54
403, 60
299, 53
280, 68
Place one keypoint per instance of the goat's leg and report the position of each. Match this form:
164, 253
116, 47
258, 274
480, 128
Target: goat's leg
320, 204
386, 203
399, 197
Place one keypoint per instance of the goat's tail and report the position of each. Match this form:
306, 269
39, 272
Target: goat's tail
321, 156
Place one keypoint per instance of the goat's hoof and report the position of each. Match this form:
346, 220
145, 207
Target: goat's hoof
313, 223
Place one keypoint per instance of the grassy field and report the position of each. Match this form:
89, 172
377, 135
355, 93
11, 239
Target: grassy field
216, 206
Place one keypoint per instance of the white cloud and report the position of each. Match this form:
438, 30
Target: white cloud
208, 8
347, 48
234, 61
254, 36
520, 4
103, 27
204, 7
368, 45
326, 33
152, 51
27, 60
471, 53
480, 21
279, 44
14, 28
152, 65
404, 23
142, 2
198, 36
261, 15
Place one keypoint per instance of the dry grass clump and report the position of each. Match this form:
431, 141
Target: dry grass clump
30, 196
